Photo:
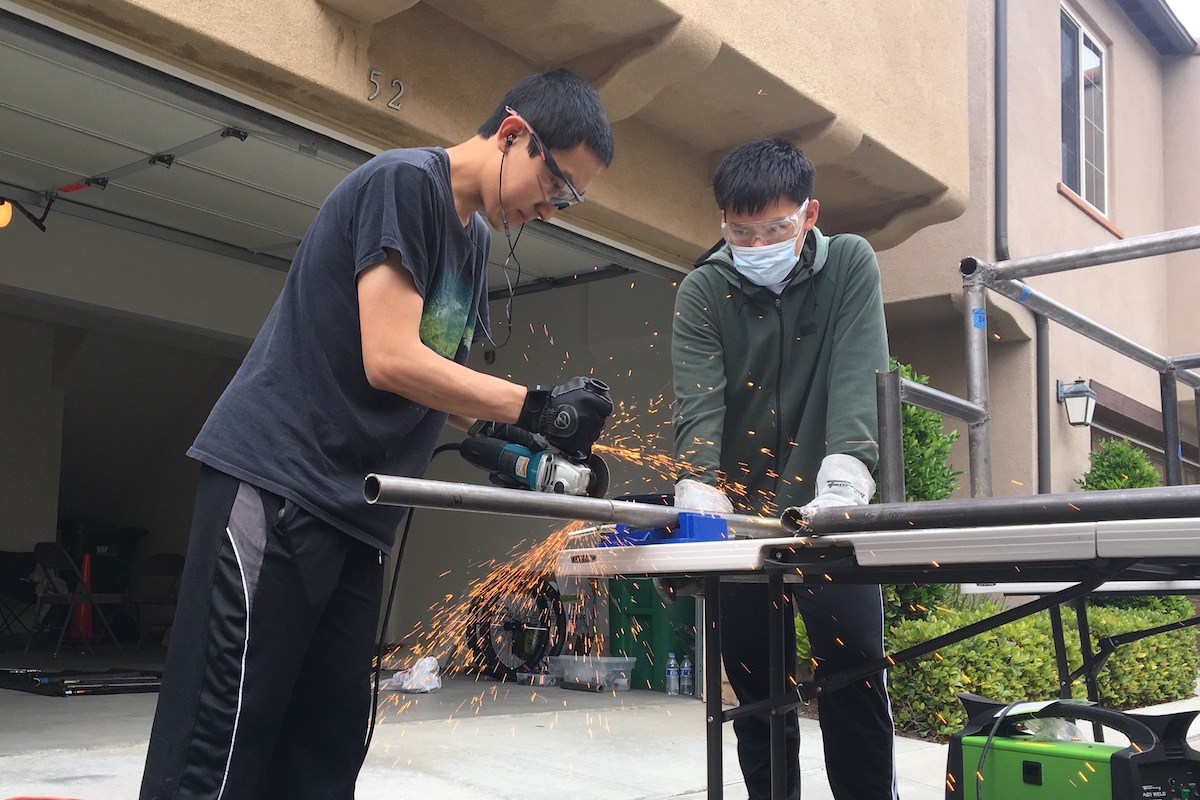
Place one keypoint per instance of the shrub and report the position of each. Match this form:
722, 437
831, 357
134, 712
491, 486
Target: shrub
1016, 662
1117, 464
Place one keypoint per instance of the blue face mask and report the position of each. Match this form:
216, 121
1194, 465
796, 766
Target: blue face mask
766, 265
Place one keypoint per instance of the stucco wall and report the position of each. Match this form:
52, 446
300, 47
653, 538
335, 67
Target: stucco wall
687, 79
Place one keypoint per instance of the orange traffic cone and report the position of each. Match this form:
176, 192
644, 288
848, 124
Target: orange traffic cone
81, 615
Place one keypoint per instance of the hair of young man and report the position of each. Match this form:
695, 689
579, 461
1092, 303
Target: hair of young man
562, 108
758, 173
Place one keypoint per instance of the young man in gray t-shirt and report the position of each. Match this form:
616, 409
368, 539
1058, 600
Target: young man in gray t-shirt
357, 369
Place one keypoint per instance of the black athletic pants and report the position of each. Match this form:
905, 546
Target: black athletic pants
267, 687
845, 628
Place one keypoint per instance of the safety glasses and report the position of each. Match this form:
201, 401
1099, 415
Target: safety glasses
771, 231
563, 194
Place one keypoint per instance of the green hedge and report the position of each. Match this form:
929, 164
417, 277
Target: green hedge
1016, 662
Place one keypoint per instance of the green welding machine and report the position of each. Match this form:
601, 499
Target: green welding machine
1010, 752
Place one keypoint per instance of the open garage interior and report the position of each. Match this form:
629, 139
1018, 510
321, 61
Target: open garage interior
170, 214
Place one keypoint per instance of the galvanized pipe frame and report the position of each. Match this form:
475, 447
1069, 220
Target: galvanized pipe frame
979, 434
1155, 244
979, 276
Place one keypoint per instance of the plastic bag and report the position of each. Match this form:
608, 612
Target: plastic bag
421, 677
1053, 729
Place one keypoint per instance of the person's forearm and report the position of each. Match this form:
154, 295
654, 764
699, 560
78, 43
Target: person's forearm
436, 382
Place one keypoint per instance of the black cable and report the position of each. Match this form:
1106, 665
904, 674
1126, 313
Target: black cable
987, 745
387, 613
383, 634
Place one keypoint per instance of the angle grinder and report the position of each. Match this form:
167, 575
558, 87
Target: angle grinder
531, 463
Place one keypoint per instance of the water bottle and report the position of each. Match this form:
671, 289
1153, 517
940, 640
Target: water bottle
687, 683
672, 674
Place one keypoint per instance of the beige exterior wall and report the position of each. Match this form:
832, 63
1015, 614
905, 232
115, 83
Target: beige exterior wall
1153, 136
684, 81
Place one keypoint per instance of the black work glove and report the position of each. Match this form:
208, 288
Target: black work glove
509, 433
571, 415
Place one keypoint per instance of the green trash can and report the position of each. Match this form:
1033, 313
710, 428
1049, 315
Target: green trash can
642, 625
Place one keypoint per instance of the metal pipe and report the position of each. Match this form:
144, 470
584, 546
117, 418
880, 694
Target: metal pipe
918, 394
1041, 304
1042, 367
1172, 443
1186, 362
891, 445
391, 490
1155, 244
1000, 111
1157, 503
978, 434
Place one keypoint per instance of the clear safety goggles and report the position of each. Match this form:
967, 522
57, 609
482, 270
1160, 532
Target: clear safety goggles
770, 231
562, 192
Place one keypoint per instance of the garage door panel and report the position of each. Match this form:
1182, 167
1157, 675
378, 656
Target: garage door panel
66, 153
265, 163
201, 190
82, 97
183, 216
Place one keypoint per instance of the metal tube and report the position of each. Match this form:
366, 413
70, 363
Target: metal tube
1158, 503
391, 490
1042, 367
714, 710
1155, 244
978, 434
1041, 304
918, 394
1186, 362
891, 445
1172, 445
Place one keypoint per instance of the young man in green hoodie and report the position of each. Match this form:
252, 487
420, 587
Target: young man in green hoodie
777, 336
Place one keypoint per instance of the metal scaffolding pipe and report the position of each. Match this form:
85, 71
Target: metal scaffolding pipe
1186, 362
1042, 359
1159, 503
391, 490
1172, 443
918, 394
979, 437
891, 444
1041, 304
1155, 244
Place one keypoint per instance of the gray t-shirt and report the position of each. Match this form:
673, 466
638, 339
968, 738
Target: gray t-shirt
299, 418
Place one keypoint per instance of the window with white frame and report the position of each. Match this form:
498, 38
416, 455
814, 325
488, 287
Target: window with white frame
1084, 75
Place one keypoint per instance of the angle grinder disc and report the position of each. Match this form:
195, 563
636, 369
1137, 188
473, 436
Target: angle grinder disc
598, 485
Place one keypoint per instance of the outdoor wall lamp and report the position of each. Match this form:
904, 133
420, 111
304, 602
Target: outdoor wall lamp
1079, 400
6, 209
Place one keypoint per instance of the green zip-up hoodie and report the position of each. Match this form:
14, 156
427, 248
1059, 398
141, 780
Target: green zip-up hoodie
766, 386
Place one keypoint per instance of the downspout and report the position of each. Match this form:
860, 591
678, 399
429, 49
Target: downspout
1041, 324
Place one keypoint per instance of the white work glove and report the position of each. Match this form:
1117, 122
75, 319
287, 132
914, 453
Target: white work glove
692, 495
842, 481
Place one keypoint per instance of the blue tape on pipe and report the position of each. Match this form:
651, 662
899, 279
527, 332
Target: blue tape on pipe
1024, 295
979, 317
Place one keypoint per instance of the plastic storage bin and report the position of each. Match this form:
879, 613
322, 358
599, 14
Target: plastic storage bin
614, 673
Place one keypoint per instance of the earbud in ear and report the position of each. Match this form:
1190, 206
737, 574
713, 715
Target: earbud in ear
512, 137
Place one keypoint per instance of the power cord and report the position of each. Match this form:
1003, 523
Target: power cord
387, 614
987, 746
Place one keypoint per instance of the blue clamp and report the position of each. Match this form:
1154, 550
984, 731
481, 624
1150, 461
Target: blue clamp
693, 527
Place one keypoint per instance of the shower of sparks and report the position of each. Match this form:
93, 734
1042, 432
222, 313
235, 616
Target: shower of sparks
460, 624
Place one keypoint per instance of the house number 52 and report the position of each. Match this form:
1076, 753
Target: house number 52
396, 84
